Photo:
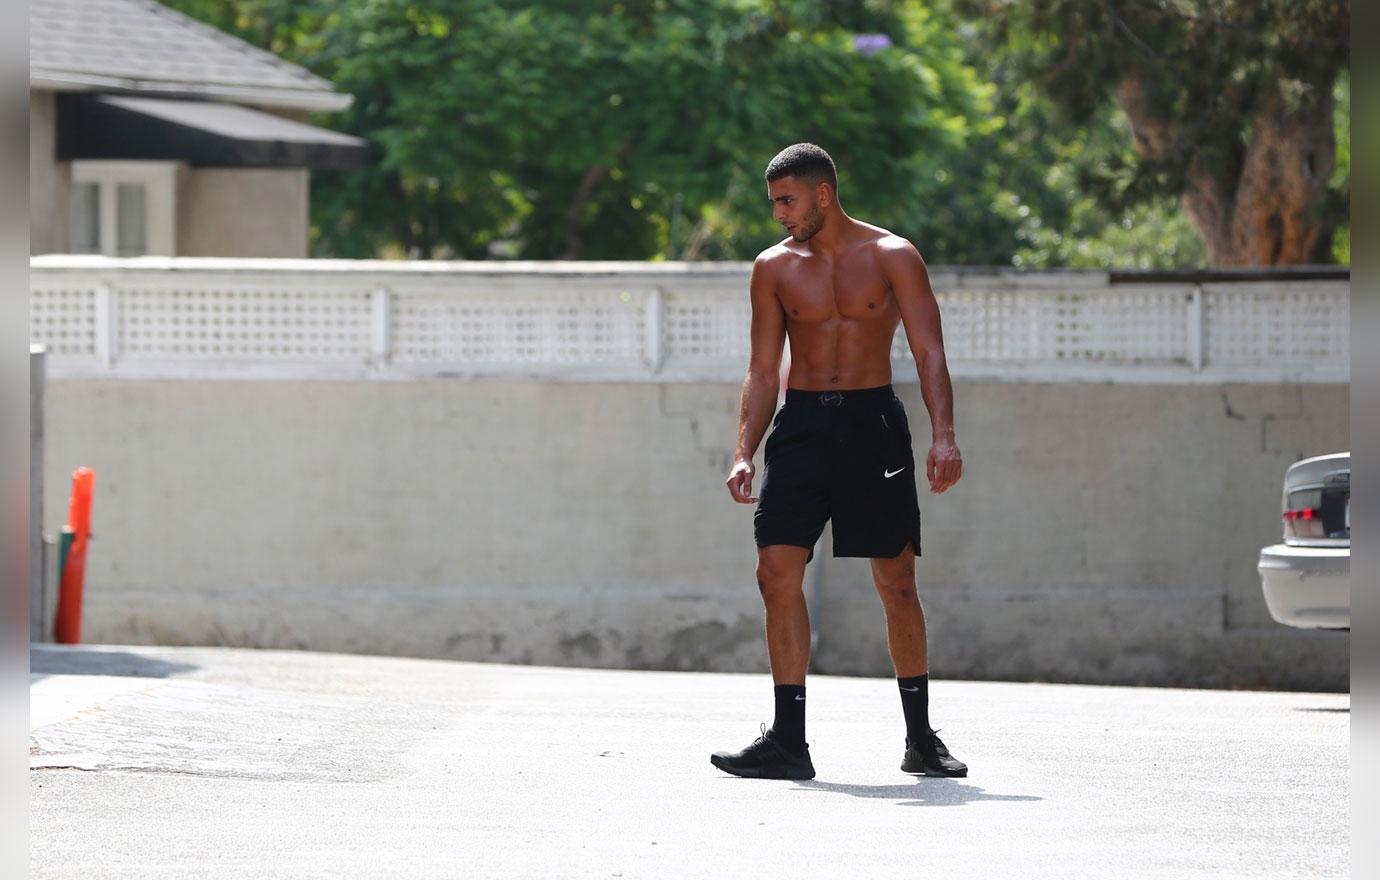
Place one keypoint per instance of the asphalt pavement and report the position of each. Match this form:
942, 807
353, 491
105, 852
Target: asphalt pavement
224, 763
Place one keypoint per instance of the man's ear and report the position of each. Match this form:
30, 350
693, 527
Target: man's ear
824, 193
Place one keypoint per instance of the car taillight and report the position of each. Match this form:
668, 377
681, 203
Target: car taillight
1305, 523
1303, 515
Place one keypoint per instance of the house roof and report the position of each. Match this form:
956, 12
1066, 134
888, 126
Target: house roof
143, 47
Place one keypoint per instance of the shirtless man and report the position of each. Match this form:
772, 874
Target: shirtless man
840, 447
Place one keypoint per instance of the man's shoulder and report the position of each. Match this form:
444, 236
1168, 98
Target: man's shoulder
888, 243
896, 254
773, 256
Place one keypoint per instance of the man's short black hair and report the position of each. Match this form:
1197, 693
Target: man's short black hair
805, 161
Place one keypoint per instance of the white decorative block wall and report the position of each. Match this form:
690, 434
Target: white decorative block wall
186, 318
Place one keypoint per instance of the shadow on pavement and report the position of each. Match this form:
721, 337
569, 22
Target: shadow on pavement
44, 663
1346, 709
924, 792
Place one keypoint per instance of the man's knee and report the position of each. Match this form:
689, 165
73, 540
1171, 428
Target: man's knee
777, 578
896, 584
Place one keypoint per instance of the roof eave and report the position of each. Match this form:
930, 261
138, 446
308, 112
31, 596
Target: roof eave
66, 81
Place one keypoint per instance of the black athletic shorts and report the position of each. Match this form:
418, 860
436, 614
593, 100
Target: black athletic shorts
843, 456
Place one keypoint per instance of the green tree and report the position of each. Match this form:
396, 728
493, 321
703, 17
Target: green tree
1230, 106
609, 130
1057, 220
639, 129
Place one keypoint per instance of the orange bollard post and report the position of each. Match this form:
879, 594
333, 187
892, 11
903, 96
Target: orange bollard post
67, 626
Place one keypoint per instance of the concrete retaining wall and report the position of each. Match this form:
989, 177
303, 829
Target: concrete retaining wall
1102, 533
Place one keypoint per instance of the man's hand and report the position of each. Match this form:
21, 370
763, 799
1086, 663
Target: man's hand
740, 481
944, 464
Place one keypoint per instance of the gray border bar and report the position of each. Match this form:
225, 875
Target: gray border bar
38, 569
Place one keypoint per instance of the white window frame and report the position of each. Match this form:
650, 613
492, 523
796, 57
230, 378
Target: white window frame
159, 180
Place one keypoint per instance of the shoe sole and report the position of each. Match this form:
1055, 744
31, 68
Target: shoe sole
785, 773
924, 771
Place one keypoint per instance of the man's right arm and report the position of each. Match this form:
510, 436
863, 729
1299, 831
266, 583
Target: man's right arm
763, 379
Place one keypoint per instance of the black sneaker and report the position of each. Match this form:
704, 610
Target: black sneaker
931, 757
766, 759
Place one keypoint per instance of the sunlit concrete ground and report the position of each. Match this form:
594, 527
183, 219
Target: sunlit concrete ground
198, 762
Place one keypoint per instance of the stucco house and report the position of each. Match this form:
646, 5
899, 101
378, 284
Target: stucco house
152, 133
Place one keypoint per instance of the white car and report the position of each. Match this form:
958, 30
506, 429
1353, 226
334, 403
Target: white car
1307, 579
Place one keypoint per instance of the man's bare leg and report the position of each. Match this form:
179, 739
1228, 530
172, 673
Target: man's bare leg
782, 754
780, 577
905, 617
905, 630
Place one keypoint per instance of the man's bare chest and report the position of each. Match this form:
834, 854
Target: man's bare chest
814, 290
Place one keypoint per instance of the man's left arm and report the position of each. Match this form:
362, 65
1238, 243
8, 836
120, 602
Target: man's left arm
910, 284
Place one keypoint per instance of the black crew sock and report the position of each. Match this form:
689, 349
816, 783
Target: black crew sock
789, 727
915, 702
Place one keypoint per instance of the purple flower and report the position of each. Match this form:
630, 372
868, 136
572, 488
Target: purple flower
868, 45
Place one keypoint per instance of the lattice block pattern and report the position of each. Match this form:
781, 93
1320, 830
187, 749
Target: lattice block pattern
263, 320
561, 327
710, 326
63, 318
266, 322
1247, 327
1113, 326
980, 326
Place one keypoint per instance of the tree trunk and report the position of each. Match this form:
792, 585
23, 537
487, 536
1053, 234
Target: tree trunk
1283, 180
1262, 210
574, 245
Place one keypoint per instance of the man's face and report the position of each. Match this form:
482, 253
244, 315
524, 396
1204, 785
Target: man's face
796, 206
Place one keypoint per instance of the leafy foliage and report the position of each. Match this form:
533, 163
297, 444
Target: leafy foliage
1339, 192
610, 130
1059, 221
639, 129
1203, 70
